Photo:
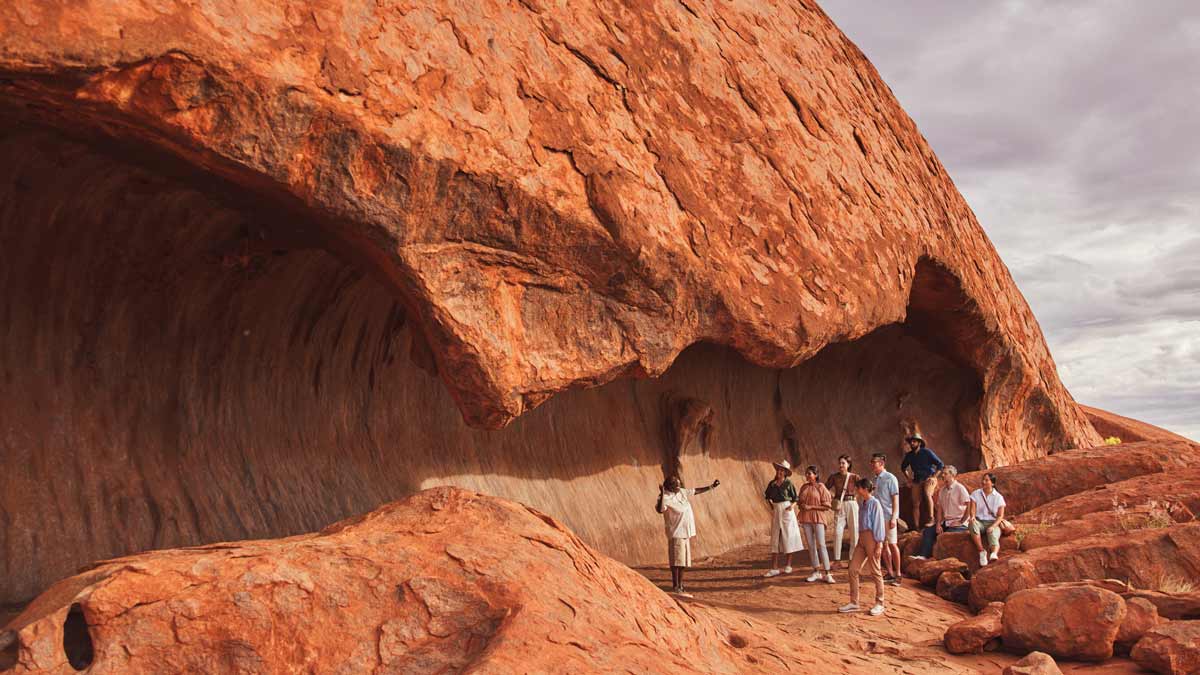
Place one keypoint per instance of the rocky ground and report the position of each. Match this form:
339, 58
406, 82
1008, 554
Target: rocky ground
907, 639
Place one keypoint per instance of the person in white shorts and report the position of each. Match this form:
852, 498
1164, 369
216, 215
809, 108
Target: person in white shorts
887, 491
680, 526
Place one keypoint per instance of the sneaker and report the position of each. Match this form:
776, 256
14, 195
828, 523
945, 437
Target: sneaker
829, 578
683, 594
846, 609
771, 573
895, 581
787, 570
983, 558
994, 556
815, 576
876, 610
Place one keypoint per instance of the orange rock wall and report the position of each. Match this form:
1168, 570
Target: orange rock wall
182, 385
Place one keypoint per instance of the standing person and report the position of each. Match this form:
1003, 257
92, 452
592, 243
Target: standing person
815, 501
785, 532
871, 541
887, 491
680, 524
921, 465
987, 510
845, 506
952, 512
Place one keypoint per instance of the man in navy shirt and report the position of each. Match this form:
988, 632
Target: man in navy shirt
921, 465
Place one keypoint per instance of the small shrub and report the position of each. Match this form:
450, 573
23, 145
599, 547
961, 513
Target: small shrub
1169, 583
1112, 440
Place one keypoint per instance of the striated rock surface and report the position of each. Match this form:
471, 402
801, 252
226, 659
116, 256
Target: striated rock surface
1147, 559
1141, 616
267, 265
410, 588
1031, 484
1173, 648
1171, 605
1127, 429
1079, 622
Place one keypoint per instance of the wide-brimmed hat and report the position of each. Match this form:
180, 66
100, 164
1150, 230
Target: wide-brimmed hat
916, 437
787, 468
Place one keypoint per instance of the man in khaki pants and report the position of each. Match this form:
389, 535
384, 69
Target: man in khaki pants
871, 540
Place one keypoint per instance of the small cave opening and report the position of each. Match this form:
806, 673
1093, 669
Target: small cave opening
77, 639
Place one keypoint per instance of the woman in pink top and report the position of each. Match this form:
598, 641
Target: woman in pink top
814, 501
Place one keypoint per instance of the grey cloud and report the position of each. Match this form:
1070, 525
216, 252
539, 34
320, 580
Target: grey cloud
1072, 129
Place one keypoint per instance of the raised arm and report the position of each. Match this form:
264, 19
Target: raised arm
701, 490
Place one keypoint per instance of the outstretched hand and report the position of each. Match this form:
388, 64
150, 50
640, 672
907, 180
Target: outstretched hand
716, 483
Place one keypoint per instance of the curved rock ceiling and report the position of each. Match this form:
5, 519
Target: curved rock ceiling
268, 265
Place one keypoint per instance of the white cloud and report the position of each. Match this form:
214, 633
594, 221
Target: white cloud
1073, 130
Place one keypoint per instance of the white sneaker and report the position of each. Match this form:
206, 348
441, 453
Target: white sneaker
876, 610
994, 556
829, 578
771, 573
815, 576
983, 558
846, 609
787, 570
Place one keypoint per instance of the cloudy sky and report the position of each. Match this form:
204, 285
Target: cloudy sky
1073, 130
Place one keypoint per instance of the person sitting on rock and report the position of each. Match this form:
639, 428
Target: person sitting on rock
887, 491
814, 502
785, 532
872, 538
845, 507
987, 510
921, 465
681, 526
952, 511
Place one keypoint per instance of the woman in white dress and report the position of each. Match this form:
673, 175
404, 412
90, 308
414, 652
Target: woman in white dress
785, 530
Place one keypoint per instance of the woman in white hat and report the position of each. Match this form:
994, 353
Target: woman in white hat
785, 531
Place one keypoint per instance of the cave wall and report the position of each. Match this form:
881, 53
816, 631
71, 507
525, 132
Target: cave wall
183, 364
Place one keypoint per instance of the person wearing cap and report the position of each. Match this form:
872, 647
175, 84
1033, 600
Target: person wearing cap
680, 524
921, 465
785, 529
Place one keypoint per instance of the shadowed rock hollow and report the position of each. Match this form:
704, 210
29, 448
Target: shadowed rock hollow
266, 266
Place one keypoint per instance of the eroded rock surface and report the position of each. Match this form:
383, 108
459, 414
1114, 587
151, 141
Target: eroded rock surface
447, 580
1079, 622
269, 265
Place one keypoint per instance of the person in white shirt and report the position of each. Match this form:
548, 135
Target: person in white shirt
987, 512
680, 526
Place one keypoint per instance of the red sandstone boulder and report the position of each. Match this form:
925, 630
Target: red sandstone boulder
960, 545
1140, 616
976, 634
928, 571
1163, 489
444, 581
1035, 482
1145, 516
1174, 606
1172, 648
1076, 622
1034, 663
1146, 558
954, 587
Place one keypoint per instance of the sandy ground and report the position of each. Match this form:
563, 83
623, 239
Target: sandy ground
906, 639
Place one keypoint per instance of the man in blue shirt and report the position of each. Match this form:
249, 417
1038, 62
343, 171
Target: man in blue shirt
887, 491
872, 538
921, 465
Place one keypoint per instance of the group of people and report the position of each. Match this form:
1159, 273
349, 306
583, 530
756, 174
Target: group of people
864, 508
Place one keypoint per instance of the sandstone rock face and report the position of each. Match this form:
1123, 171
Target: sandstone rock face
410, 588
1171, 605
952, 586
1076, 622
1031, 484
1177, 486
1034, 663
1140, 617
266, 265
1171, 648
1144, 558
1127, 429
960, 545
973, 635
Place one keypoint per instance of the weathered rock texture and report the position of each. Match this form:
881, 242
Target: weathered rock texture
1171, 649
974, 634
1110, 425
265, 265
410, 588
1034, 663
1079, 622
